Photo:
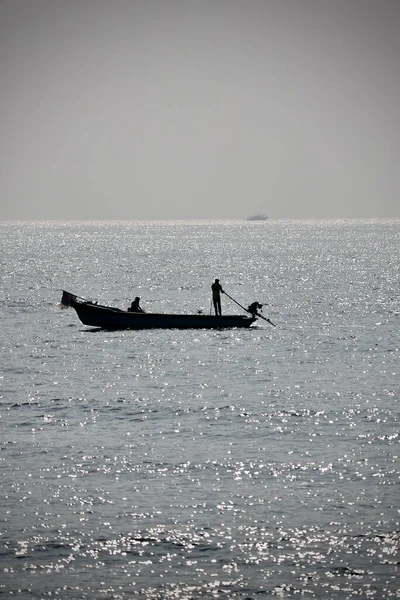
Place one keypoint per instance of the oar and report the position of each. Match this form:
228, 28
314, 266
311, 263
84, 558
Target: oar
258, 315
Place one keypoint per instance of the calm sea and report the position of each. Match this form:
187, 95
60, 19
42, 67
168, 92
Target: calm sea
249, 464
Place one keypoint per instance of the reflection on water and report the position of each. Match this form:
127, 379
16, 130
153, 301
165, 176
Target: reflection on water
201, 464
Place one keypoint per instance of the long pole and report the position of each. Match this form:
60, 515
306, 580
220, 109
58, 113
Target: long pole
258, 315
235, 301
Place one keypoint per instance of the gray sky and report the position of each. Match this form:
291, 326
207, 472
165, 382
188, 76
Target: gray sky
167, 109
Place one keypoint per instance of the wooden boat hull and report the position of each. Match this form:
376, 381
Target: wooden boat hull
104, 317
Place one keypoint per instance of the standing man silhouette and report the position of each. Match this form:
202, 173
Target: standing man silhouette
216, 296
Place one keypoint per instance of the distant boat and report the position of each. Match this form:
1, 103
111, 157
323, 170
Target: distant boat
107, 317
258, 217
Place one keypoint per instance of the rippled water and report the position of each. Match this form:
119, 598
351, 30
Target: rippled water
201, 464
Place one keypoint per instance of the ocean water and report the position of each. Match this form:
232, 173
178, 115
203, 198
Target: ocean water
260, 463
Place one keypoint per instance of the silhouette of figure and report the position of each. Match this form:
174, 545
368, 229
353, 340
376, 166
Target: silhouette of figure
216, 296
134, 307
253, 308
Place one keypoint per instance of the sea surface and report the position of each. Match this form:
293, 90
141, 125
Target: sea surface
251, 463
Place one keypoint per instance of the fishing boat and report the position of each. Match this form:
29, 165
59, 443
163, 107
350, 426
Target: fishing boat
258, 217
108, 317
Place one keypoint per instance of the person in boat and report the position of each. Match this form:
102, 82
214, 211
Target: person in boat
216, 288
135, 307
253, 308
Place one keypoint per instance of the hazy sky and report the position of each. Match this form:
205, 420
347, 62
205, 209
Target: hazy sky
168, 109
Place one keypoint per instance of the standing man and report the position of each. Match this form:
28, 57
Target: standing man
216, 296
